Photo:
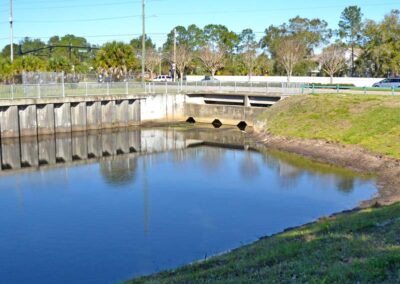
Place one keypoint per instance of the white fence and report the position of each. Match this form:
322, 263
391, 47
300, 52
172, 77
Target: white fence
358, 82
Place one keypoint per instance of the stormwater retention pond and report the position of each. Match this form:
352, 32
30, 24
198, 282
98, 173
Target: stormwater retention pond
105, 207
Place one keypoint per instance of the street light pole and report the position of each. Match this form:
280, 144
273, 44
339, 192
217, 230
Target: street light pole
11, 33
143, 41
174, 65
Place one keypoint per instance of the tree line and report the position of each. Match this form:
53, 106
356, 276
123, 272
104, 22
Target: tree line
301, 46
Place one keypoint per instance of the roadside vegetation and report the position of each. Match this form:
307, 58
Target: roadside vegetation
372, 122
286, 49
361, 247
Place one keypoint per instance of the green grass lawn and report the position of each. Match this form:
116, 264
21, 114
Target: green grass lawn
369, 121
361, 247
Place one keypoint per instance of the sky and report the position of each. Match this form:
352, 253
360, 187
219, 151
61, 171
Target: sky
101, 21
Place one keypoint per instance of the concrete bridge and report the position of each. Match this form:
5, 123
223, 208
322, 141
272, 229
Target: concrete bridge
25, 115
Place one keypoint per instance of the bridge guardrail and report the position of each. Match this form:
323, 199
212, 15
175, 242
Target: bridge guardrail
129, 88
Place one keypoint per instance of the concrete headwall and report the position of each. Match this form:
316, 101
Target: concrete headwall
162, 107
230, 115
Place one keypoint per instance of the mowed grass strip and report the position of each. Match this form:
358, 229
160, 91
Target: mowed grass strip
369, 121
361, 247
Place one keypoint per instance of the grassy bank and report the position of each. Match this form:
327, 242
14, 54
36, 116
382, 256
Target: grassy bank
361, 247
370, 121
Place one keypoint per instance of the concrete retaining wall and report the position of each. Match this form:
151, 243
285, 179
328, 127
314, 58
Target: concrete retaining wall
33, 117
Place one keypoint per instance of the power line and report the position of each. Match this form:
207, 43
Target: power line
94, 36
38, 7
216, 12
86, 20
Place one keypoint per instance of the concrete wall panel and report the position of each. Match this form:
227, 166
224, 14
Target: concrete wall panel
93, 112
62, 117
45, 119
27, 120
78, 116
108, 116
9, 122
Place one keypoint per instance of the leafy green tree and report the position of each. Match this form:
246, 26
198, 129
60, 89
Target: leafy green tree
312, 33
82, 59
350, 27
221, 37
60, 64
264, 65
192, 37
28, 44
291, 43
381, 46
28, 63
137, 44
116, 59
6, 70
5, 53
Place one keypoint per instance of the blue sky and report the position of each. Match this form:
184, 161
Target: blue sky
102, 20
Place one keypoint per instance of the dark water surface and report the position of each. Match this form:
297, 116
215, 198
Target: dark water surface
92, 216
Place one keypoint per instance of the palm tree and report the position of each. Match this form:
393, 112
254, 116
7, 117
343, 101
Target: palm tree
116, 59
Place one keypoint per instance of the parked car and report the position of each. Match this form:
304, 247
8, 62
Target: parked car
162, 78
209, 79
388, 83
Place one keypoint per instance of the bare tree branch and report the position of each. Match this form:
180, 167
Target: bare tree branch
153, 60
290, 51
183, 58
333, 59
212, 58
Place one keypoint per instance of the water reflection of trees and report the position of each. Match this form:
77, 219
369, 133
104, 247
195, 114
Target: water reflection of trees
119, 171
249, 167
212, 157
291, 173
345, 184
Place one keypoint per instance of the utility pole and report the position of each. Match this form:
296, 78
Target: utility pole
11, 33
174, 64
160, 67
143, 41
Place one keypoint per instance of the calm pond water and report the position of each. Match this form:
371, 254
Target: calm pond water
156, 199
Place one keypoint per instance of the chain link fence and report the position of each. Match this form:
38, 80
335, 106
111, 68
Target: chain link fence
67, 89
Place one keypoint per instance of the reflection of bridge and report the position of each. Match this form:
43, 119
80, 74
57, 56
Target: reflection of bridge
92, 146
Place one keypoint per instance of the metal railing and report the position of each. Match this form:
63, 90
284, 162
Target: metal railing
136, 88
224, 87
69, 90
343, 89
